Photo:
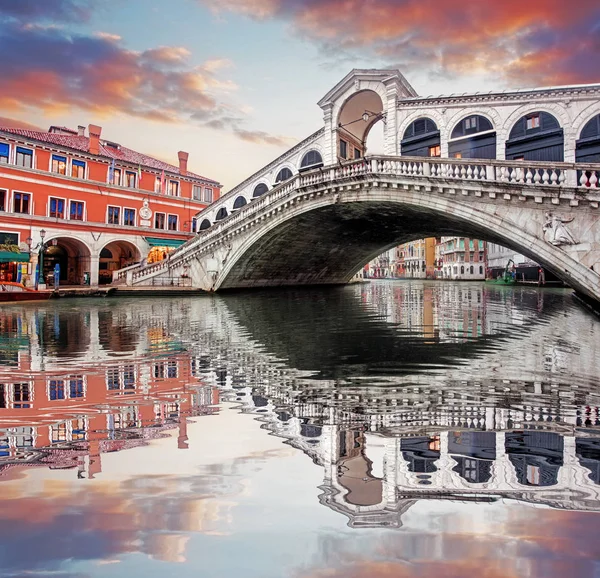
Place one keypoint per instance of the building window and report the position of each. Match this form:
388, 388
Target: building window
76, 387
76, 211
129, 217
159, 220
470, 123
435, 151
158, 185
3, 196
56, 389
533, 121
24, 158
458, 155
194, 226
172, 222
208, 195
114, 215
343, 149
357, 154
57, 208
197, 192
4, 153
130, 179
21, 395
22, 203
59, 164
77, 169
174, 188
116, 177
113, 380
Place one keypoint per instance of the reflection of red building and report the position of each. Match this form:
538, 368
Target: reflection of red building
100, 205
67, 419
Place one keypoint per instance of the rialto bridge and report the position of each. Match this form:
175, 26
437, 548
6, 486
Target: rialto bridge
519, 168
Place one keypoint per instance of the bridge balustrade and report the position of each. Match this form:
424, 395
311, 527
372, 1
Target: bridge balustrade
585, 177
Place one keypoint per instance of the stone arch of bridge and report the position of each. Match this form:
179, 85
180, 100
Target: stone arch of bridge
326, 241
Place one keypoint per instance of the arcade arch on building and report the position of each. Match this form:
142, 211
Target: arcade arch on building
205, 224
116, 255
587, 148
259, 190
311, 160
73, 258
536, 136
421, 139
239, 203
473, 137
221, 214
283, 175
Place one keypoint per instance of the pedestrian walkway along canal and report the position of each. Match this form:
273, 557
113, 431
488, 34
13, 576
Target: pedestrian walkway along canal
393, 428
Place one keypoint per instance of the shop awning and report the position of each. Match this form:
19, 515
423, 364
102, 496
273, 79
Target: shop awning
10, 257
155, 242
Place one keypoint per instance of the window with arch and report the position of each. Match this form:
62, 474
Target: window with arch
221, 214
462, 270
471, 270
283, 175
536, 136
473, 137
259, 190
205, 224
312, 159
421, 138
587, 148
239, 203
481, 269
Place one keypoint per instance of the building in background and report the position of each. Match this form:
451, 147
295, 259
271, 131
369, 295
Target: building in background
499, 257
417, 258
89, 205
462, 258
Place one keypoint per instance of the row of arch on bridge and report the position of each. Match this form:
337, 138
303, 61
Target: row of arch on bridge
312, 159
536, 136
75, 257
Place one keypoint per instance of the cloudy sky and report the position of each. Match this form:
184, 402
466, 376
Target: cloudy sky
235, 82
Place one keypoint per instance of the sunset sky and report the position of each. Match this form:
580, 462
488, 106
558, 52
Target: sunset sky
235, 82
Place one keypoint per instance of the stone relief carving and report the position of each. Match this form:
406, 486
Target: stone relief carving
556, 232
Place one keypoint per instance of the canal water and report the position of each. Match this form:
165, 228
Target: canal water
405, 429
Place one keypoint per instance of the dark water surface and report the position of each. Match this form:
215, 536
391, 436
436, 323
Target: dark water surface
392, 429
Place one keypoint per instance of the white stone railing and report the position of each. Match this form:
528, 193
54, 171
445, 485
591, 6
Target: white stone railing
584, 177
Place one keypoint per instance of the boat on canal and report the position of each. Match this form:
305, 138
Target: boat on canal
12, 292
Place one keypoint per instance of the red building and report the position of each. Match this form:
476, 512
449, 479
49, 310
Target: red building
90, 205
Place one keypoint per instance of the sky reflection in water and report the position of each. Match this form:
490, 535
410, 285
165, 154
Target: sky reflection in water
420, 429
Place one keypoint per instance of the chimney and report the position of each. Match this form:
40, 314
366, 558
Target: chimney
95, 132
183, 158
80, 130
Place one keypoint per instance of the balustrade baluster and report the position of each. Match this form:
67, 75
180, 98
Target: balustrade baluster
463, 172
469, 173
583, 179
594, 180
553, 177
537, 178
545, 177
529, 176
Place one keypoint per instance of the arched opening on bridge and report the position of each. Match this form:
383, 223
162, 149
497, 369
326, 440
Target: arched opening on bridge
205, 224
357, 116
283, 175
259, 190
221, 214
311, 160
73, 258
239, 203
330, 243
587, 148
421, 139
116, 255
473, 137
536, 136
354, 470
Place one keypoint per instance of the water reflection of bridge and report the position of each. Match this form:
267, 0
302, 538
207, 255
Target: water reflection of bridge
386, 431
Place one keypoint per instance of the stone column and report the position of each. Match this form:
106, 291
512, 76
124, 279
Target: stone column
94, 267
